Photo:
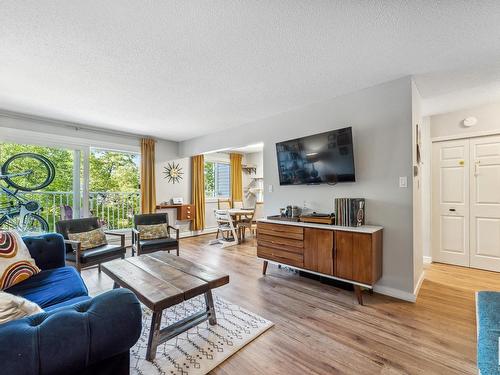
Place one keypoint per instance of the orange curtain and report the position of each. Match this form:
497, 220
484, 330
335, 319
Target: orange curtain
148, 179
198, 191
236, 178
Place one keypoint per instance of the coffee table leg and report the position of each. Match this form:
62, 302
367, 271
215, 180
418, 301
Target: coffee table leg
212, 319
154, 336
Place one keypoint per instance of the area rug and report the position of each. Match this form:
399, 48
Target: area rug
203, 347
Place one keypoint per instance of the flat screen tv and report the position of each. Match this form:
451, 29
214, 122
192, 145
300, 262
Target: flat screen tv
321, 158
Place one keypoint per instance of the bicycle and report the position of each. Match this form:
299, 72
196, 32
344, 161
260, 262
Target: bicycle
24, 172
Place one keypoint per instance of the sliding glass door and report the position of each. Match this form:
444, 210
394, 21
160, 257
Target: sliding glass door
114, 187
87, 182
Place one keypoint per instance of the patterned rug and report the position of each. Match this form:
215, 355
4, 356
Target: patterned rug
203, 347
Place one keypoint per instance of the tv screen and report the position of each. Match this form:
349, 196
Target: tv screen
321, 158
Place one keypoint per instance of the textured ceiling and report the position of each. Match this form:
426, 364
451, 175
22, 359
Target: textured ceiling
180, 69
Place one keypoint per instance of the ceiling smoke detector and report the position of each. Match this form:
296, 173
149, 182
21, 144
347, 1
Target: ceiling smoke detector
470, 121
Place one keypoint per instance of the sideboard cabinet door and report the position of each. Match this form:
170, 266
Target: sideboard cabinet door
318, 250
343, 254
362, 258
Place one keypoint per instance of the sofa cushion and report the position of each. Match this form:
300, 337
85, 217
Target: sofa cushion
158, 244
51, 287
488, 331
90, 239
16, 263
14, 307
47, 249
68, 303
96, 254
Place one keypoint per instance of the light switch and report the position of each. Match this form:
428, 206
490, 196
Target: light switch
403, 182
270, 188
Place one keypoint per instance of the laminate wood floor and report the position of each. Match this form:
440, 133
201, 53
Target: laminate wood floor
320, 329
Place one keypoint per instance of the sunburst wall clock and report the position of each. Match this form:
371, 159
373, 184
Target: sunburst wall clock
173, 172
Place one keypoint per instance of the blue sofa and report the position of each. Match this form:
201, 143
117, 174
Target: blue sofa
76, 334
488, 332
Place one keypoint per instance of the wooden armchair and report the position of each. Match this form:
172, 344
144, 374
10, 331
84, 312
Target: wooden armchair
90, 257
145, 246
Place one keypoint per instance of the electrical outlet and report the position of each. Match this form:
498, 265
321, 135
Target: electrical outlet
270, 188
403, 182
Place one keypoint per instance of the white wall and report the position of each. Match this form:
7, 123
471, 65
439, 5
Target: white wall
425, 172
167, 152
381, 118
418, 268
451, 124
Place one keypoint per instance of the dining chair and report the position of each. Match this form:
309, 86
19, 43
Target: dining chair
238, 204
258, 214
245, 223
225, 226
223, 204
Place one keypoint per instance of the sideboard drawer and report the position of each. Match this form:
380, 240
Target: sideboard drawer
286, 231
280, 256
281, 242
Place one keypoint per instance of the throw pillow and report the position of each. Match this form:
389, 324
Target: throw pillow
90, 239
16, 263
152, 232
13, 307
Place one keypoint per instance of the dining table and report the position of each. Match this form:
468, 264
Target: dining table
237, 214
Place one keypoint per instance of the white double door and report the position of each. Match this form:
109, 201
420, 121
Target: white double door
466, 202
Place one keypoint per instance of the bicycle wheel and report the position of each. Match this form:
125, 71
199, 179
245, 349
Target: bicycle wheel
28, 171
33, 223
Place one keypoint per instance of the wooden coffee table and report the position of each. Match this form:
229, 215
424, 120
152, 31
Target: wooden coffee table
161, 280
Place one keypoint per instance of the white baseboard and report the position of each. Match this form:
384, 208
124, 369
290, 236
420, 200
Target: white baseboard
419, 284
396, 293
427, 259
192, 233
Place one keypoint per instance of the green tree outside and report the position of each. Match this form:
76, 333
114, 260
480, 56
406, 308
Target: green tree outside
209, 179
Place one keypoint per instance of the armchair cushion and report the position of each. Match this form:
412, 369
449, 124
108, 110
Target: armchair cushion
98, 253
65, 227
51, 287
158, 244
153, 231
90, 239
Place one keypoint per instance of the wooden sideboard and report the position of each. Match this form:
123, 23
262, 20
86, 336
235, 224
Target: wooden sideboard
350, 254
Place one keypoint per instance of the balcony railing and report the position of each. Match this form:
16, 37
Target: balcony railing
115, 210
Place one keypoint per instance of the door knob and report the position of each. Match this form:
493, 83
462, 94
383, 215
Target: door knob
452, 210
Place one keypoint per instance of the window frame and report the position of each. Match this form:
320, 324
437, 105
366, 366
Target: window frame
215, 195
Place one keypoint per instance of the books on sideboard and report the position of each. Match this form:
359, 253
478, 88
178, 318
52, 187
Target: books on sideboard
349, 212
